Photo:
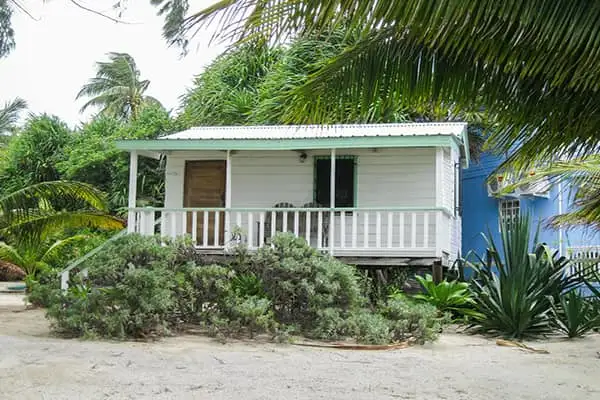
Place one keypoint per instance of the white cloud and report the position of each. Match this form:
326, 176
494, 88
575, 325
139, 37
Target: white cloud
55, 55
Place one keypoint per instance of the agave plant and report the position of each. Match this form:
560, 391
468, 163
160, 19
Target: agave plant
453, 296
515, 287
576, 315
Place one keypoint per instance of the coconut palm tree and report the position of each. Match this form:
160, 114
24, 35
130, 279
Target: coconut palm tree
117, 88
9, 114
533, 64
30, 214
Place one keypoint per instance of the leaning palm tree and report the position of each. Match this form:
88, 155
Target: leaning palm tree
30, 214
532, 63
9, 114
117, 89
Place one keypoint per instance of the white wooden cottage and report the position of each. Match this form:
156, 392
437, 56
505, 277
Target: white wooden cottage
377, 191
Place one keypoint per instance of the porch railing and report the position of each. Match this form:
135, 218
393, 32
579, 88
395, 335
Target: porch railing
585, 260
361, 231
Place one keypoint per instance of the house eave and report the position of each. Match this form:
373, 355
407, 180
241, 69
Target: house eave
162, 145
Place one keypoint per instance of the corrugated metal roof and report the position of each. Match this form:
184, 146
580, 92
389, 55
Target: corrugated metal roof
320, 131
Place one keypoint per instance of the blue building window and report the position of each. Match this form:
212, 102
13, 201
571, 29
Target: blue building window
509, 210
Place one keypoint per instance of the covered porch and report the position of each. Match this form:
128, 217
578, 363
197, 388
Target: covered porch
353, 191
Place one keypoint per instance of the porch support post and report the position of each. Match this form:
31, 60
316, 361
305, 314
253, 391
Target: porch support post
332, 203
228, 199
131, 203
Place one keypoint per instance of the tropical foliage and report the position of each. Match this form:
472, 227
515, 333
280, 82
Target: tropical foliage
117, 88
258, 84
33, 153
582, 177
9, 114
31, 214
140, 287
542, 93
453, 297
576, 315
515, 287
32, 258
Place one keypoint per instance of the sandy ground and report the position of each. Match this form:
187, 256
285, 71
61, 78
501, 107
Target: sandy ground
33, 365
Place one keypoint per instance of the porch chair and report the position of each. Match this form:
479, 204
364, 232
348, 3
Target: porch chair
314, 222
279, 215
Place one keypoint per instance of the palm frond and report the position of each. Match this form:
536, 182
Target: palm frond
9, 114
534, 63
10, 254
20, 204
36, 226
51, 255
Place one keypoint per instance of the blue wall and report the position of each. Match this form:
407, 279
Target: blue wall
480, 211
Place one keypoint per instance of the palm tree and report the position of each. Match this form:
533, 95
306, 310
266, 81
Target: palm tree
532, 63
9, 114
31, 259
117, 88
30, 214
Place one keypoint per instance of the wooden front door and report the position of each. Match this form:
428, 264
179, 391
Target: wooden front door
205, 187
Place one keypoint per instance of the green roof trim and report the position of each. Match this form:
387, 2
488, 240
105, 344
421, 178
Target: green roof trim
291, 144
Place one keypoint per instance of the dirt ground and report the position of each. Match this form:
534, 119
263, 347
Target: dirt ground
34, 365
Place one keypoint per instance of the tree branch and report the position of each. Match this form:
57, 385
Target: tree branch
88, 9
23, 9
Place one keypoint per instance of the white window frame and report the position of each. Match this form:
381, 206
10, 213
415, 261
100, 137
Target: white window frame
508, 208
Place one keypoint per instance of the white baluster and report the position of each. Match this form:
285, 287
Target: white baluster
390, 228
402, 230
250, 229
343, 229
205, 229
307, 233
273, 223
183, 223
413, 242
173, 224
426, 229
296, 224
261, 230
320, 229
195, 227
366, 229
217, 228
354, 229
378, 230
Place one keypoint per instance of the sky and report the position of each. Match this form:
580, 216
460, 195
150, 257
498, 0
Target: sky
56, 53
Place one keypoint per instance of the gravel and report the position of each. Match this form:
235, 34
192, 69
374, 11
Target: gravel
34, 365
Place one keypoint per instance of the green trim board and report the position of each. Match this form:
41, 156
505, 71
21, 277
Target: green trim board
288, 144
341, 157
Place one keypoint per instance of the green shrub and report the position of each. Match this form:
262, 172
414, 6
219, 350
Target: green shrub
412, 320
43, 287
138, 288
370, 328
453, 297
300, 281
515, 289
138, 306
575, 315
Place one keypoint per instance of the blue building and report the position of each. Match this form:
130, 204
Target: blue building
482, 212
